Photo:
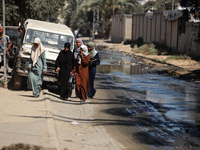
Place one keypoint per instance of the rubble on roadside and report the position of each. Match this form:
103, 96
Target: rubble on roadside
21, 146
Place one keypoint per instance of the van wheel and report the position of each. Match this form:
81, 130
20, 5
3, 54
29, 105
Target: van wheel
17, 82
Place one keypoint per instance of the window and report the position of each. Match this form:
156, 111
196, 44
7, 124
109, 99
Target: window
48, 39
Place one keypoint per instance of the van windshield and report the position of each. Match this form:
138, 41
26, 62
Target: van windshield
48, 39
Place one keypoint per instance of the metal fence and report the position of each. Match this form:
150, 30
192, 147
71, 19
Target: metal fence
178, 34
121, 28
155, 29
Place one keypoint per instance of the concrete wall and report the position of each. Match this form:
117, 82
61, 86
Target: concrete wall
155, 29
189, 43
121, 28
128, 27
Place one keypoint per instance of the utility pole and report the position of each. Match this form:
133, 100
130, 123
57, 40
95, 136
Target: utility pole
4, 48
164, 6
172, 4
95, 25
113, 7
77, 3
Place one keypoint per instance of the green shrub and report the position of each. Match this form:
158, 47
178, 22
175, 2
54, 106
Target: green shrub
139, 42
177, 57
152, 50
146, 49
163, 49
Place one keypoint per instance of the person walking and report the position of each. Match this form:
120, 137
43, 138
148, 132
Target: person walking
37, 67
64, 65
76, 33
7, 46
82, 73
94, 61
76, 51
96, 34
91, 35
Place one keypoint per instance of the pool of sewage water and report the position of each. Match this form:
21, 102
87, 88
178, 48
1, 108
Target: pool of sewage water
162, 101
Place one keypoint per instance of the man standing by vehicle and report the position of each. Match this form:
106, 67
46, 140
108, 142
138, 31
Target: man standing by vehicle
20, 30
7, 46
76, 33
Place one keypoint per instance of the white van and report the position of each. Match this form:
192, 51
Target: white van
53, 37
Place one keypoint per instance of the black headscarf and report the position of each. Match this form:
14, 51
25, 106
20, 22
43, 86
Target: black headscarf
67, 45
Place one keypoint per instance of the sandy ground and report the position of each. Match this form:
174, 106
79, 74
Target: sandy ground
51, 123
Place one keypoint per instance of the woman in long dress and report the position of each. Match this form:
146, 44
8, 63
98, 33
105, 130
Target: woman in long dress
82, 73
76, 52
64, 65
94, 61
37, 67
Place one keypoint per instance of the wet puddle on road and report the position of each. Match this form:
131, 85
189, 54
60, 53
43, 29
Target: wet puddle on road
167, 103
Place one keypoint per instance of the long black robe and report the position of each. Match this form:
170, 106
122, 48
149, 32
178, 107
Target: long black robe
92, 73
65, 61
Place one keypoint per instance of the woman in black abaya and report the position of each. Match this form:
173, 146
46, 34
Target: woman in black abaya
64, 65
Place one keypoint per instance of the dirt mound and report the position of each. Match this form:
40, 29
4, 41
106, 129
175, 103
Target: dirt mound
21, 146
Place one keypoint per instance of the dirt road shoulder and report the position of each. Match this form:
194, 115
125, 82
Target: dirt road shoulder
186, 69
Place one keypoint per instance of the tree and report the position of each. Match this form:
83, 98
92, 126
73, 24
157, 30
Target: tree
124, 6
161, 5
148, 5
18, 11
194, 6
111, 7
107, 8
11, 11
70, 11
190, 3
75, 16
38, 9
165, 4
80, 21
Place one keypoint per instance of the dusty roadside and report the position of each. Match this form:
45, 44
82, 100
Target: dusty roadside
48, 123
186, 69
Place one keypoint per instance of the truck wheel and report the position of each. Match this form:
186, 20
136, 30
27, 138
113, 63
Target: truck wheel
17, 82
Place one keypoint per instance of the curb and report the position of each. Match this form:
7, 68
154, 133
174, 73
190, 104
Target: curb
50, 122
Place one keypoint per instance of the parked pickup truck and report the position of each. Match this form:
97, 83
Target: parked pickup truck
53, 36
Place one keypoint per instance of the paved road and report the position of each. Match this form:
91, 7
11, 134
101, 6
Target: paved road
50, 122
